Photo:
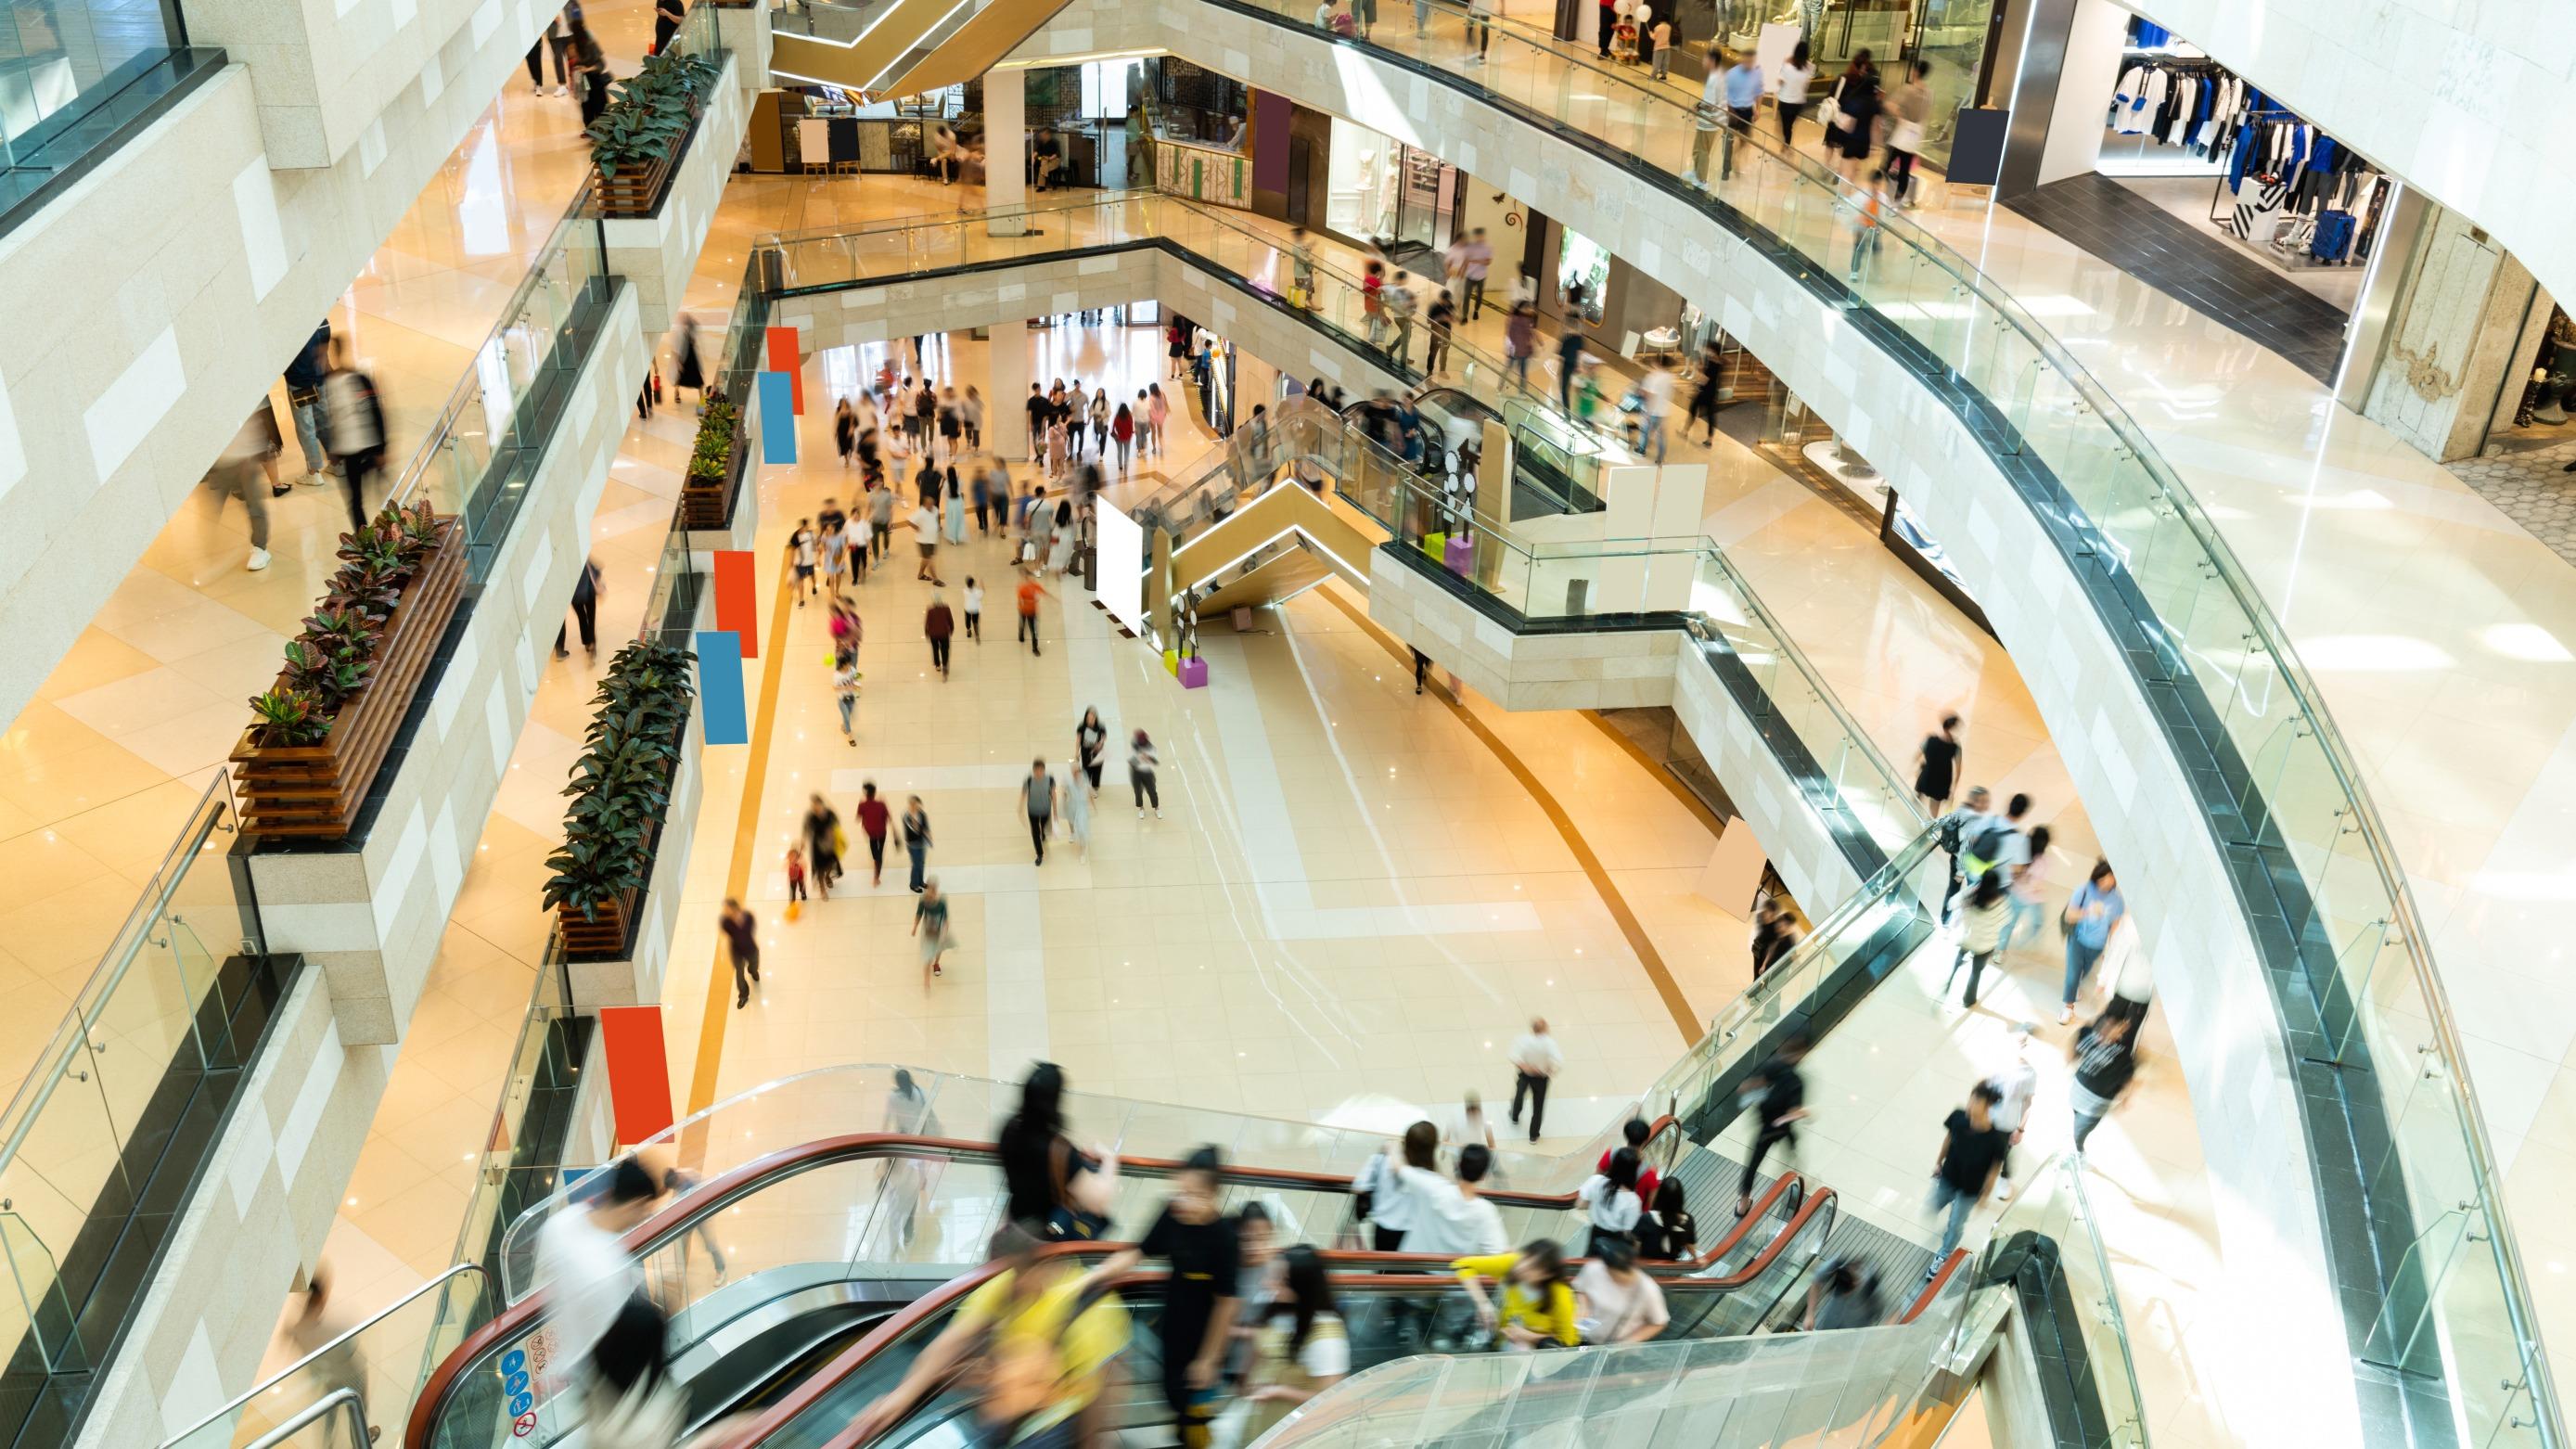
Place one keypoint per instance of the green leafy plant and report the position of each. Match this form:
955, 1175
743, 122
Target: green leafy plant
621, 784
288, 715
716, 426
650, 112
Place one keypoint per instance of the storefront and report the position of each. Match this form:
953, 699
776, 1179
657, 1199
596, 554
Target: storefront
1381, 192
1959, 37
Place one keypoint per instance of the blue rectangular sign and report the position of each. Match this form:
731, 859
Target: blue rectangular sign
721, 717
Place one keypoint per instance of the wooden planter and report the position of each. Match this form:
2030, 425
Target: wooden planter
638, 193
709, 505
314, 791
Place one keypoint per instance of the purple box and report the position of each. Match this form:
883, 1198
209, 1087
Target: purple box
1460, 555
1193, 673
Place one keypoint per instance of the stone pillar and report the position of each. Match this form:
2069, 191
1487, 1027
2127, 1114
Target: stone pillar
744, 30
1006, 395
1006, 149
2452, 339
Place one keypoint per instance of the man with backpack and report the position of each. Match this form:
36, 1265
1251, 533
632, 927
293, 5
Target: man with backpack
1955, 829
1997, 843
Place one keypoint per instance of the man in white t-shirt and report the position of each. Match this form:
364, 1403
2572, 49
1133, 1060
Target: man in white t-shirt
1657, 392
1453, 1218
2018, 1082
1535, 1058
583, 1265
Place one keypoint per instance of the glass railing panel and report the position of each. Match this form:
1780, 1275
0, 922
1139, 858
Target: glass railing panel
40, 1312
382, 1362
2053, 1206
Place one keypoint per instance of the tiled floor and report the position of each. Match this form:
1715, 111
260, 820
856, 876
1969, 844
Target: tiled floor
2533, 487
2115, 223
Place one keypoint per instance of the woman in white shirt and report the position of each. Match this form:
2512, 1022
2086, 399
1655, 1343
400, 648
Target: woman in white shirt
1392, 1207
1610, 1199
1618, 1304
1794, 78
1300, 1346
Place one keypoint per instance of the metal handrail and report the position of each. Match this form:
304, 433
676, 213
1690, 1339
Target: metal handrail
291, 1370
329, 1404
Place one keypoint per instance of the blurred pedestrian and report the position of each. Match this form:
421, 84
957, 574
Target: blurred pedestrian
930, 927
353, 428
741, 931
916, 840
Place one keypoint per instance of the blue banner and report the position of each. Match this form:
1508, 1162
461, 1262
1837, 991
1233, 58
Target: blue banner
721, 717
777, 417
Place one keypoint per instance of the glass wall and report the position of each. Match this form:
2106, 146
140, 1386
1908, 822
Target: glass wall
1383, 192
54, 51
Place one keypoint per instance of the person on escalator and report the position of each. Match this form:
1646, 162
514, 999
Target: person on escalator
1668, 1232
1537, 1309
1610, 1200
1390, 1203
1301, 1347
1199, 1302
1039, 1338
1634, 1133
583, 1263
1066, 1191
1844, 1295
631, 1400
1450, 1217
1616, 1303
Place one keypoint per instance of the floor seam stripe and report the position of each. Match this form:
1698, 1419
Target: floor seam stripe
1647, 956
746, 836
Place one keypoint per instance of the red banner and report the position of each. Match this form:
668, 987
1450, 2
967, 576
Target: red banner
737, 598
782, 358
639, 1071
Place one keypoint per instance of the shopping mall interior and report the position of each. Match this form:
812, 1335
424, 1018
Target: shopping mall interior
1728, 724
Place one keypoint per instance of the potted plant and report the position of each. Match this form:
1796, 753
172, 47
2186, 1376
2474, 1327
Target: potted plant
620, 789
645, 126
708, 487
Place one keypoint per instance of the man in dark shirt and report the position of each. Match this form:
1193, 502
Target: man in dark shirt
2106, 1057
873, 819
1199, 1305
742, 942
1780, 1094
1972, 1152
1039, 411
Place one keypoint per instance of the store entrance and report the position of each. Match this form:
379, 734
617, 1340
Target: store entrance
2195, 181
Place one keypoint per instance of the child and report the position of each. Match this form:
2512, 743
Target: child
795, 874
974, 609
1623, 40
1588, 396
845, 692
1663, 35
1865, 224
801, 543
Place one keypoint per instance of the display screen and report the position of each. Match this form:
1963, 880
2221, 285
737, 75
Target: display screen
1121, 545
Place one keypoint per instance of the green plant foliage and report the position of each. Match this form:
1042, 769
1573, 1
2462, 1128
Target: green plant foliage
621, 785
716, 425
650, 112
332, 659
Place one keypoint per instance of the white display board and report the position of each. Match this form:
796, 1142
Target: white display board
1120, 550
1771, 50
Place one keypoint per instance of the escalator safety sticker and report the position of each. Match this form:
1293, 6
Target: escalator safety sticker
518, 1389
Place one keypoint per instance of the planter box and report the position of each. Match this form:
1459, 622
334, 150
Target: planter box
709, 505
606, 935
314, 791
639, 193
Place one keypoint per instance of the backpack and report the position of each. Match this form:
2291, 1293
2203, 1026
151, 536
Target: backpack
1954, 830
1986, 851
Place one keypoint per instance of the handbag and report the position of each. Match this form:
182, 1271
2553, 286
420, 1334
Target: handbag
1836, 118
1906, 136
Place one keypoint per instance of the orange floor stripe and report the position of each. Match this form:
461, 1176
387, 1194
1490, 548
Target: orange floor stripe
1692, 1028
746, 838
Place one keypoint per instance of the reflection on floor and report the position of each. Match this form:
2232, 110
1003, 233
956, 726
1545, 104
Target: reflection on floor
2117, 223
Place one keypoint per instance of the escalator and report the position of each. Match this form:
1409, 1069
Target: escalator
891, 48
825, 1244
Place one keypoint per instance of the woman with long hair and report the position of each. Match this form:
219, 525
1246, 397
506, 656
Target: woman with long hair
1857, 103
1051, 1181
1300, 1348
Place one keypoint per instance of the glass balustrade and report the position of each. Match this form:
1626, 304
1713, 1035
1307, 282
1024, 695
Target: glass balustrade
2048, 1244
382, 1362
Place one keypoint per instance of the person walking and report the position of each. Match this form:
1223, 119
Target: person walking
930, 928
874, 823
1535, 1059
974, 601
1569, 360
2029, 886
1710, 393
1520, 341
1099, 415
1909, 106
1091, 747
937, 624
1038, 797
2016, 1085
823, 844
2106, 1058
353, 428
1963, 1173
1953, 831
1790, 91
1997, 846
304, 399
1743, 92
1141, 768
590, 74
916, 838
1708, 117
795, 879
1030, 592
2091, 912
1122, 431
1655, 392
1158, 411
1778, 1091
667, 15
1854, 130
925, 532
1936, 766
845, 694
237, 472
1981, 930
1437, 323
845, 432
741, 931
881, 521
585, 610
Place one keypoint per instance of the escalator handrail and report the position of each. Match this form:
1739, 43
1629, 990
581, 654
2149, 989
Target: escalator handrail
1933, 1285
787, 1410
683, 1215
